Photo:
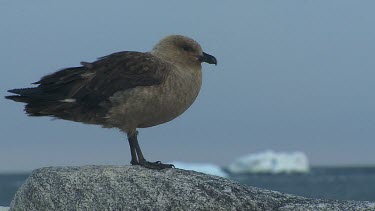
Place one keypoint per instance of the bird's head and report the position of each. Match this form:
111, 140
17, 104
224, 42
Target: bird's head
182, 50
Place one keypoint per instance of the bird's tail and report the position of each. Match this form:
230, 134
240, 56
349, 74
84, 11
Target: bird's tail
38, 103
24, 95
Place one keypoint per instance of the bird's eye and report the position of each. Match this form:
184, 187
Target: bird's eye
187, 48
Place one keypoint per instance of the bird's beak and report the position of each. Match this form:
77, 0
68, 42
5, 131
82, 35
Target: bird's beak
208, 58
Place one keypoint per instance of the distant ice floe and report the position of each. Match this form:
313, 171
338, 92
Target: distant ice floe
4, 208
201, 167
271, 162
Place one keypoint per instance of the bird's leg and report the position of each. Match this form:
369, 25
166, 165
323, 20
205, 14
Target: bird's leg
133, 141
134, 160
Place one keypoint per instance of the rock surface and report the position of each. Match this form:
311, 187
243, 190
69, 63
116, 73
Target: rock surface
137, 188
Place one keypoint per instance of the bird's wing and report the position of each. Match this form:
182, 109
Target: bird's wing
97, 81
80, 93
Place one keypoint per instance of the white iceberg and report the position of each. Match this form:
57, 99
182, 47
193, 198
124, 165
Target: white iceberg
271, 162
206, 168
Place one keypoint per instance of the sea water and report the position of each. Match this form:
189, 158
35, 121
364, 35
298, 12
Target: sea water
343, 183
9, 184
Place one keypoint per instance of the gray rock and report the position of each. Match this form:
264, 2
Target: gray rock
138, 188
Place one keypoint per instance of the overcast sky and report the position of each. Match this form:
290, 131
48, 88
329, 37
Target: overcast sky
292, 75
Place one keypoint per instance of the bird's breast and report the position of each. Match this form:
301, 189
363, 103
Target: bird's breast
152, 105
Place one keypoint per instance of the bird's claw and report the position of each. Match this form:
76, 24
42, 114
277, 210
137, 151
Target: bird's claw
156, 165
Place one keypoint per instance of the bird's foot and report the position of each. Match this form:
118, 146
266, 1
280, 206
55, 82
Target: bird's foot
134, 162
155, 165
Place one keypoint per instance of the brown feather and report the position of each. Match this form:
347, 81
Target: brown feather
91, 86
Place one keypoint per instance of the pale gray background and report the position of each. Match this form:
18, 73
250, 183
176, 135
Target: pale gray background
292, 75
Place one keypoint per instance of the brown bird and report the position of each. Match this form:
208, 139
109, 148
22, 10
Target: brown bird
125, 90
